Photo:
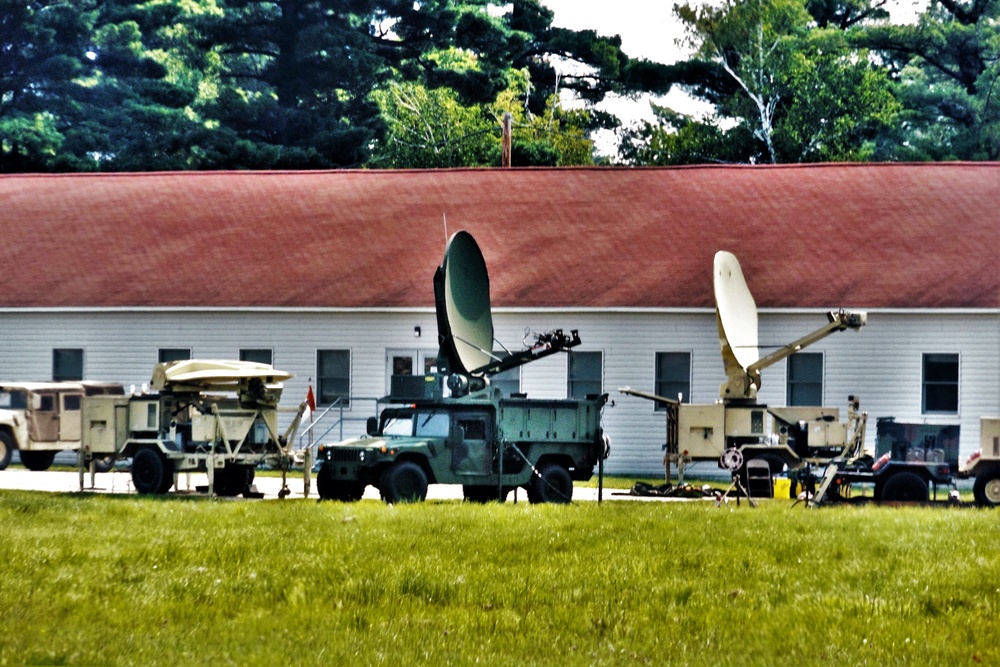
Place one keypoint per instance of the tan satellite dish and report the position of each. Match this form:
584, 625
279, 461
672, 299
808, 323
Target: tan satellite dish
468, 320
736, 314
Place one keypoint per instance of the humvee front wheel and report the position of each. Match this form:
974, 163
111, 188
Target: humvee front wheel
37, 460
987, 488
151, 472
551, 484
335, 489
403, 482
6, 449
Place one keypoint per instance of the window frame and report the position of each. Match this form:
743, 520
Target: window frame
513, 374
572, 383
924, 383
59, 360
321, 379
658, 381
250, 351
163, 353
791, 384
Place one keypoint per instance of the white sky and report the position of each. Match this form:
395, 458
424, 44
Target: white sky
650, 30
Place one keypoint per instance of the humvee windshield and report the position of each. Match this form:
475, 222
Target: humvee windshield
422, 423
14, 400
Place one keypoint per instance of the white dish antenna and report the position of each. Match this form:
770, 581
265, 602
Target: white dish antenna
736, 314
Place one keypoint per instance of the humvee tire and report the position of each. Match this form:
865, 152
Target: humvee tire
404, 482
552, 484
37, 460
6, 449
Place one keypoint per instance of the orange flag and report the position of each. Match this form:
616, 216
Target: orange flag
311, 399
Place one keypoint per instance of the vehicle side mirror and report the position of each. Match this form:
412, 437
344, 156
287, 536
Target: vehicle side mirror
372, 425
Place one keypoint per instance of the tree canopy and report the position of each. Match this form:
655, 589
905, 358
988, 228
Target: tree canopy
300, 84
208, 84
818, 80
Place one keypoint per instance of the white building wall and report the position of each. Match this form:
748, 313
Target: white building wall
881, 363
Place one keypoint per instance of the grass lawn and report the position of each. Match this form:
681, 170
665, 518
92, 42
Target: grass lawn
123, 580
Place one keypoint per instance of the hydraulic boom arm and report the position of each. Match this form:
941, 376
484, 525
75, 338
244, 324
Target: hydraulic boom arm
742, 383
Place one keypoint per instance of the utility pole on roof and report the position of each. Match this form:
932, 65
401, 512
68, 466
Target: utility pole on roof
507, 139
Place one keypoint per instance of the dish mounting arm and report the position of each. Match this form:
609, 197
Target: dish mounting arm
745, 383
546, 344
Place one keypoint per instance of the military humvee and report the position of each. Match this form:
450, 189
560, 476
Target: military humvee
41, 419
453, 427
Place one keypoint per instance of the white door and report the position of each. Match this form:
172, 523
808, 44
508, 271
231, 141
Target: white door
408, 362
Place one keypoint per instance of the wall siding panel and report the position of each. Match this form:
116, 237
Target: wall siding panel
881, 364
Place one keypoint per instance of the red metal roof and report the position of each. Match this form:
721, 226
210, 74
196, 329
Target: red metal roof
823, 236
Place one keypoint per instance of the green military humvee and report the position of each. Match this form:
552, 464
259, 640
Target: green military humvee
454, 427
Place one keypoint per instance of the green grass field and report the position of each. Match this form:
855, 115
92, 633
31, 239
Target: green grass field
122, 580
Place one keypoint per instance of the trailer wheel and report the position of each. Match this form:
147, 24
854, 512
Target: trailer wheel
37, 460
906, 487
403, 482
151, 472
987, 488
232, 480
6, 450
333, 489
552, 484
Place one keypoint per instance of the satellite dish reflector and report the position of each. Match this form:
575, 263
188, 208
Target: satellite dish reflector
467, 335
736, 314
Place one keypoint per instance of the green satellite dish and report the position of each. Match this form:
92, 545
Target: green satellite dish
462, 293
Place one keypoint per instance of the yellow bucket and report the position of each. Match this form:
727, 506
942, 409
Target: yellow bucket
782, 487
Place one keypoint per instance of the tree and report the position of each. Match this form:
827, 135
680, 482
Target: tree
96, 85
784, 90
133, 111
432, 128
41, 44
675, 138
946, 68
844, 14
209, 84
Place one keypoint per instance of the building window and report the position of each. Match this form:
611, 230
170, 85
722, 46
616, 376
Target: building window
805, 379
940, 383
333, 377
673, 376
258, 355
508, 381
585, 374
174, 354
67, 364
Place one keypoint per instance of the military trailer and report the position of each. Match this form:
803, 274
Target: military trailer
911, 463
984, 465
218, 417
823, 453
779, 436
453, 427
41, 419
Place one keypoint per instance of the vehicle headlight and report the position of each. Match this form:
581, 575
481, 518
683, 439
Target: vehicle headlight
361, 456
